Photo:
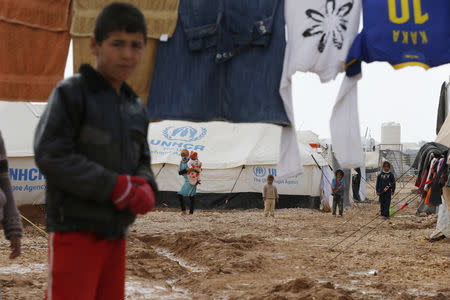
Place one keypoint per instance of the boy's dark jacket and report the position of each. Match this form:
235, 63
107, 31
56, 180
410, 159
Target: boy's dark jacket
87, 136
384, 180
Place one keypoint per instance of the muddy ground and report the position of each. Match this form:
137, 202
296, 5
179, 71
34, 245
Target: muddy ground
242, 255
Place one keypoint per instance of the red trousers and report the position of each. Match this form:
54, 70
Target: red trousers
84, 266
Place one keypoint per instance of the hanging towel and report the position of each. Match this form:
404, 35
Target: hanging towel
344, 126
403, 33
44, 14
320, 34
161, 17
33, 61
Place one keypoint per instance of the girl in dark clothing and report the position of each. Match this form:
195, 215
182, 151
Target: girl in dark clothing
385, 188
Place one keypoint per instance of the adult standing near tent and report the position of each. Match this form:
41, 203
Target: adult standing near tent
12, 224
187, 190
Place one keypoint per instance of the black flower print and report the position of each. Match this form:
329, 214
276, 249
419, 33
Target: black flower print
330, 23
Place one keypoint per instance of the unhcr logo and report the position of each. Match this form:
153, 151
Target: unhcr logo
185, 133
259, 171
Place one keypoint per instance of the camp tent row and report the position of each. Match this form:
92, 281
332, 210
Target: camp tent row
236, 161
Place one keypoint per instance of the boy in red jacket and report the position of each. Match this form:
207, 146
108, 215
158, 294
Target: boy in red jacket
91, 144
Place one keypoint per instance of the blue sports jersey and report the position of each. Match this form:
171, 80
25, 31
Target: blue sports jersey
403, 33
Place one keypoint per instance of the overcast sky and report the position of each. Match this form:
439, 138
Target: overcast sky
408, 96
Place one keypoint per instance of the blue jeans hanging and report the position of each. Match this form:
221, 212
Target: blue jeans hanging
224, 62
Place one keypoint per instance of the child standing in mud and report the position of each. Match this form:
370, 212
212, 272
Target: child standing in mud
270, 196
338, 187
385, 189
97, 167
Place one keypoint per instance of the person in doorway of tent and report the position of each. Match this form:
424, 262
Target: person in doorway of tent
385, 188
9, 215
270, 196
189, 169
338, 187
91, 145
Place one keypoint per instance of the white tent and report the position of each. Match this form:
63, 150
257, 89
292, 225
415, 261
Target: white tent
223, 148
236, 159
17, 124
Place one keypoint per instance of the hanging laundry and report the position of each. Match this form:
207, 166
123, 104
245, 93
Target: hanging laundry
320, 33
403, 33
161, 17
224, 62
34, 46
50, 15
344, 126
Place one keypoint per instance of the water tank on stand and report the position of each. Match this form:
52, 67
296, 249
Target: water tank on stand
391, 136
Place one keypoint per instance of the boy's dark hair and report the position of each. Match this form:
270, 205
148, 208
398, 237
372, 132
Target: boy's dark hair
270, 176
386, 163
119, 16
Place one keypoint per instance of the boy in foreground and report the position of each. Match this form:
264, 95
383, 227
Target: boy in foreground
91, 144
270, 196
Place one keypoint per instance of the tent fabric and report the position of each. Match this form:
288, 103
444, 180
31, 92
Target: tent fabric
237, 201
221, 145
141, 79
161, 16
33, 61
251, 179
50, 15
443, 136
18, 123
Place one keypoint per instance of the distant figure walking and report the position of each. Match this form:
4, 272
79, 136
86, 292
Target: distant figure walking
270, 196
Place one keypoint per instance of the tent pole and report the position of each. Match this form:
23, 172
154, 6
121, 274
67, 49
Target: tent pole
243, 167
164, 164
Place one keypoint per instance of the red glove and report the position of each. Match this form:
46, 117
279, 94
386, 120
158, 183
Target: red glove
143, 200
124, 190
